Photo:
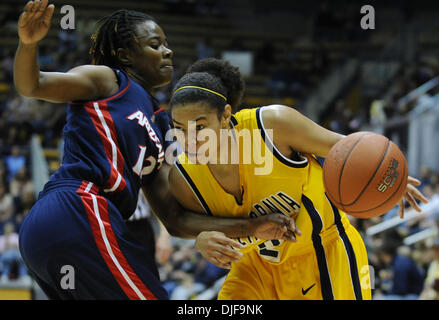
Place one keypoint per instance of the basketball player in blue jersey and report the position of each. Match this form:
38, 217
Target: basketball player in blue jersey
114, 145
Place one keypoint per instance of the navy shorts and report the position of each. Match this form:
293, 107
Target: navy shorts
72, 227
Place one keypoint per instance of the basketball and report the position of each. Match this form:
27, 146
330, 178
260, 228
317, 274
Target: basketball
365, 174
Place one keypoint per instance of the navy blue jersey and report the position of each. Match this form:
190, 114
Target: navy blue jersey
117, 143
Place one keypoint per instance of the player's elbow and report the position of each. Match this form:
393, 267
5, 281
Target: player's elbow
24, 91
174, 231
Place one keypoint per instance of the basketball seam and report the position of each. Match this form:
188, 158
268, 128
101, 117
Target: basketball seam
342, 168
389, 198
371, 178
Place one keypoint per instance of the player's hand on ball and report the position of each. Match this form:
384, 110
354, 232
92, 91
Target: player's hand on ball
34, 22
275, 227
410, 194
218, 249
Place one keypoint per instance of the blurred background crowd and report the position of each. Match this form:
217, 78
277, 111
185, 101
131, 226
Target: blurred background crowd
307, 54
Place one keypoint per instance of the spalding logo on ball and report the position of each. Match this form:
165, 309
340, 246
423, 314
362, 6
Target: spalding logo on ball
365, 174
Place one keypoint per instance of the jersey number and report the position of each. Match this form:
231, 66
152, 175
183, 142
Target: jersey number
267, 250
144, 166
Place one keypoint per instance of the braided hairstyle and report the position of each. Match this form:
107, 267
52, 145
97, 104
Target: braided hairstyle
115, 31
213, 74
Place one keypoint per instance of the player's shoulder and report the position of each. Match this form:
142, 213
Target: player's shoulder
102, 77
92, 70
179, 185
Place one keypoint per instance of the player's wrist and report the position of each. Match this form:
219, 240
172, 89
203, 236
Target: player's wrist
28, 45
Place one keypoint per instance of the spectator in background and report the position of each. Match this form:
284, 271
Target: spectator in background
404, 276
3, 173
425, 175
205, 49
431, 284
45, 59
67, 40
264, 58
206, 274
24, 203
10, 254
21, 182
14, 162
140, 225
6, 205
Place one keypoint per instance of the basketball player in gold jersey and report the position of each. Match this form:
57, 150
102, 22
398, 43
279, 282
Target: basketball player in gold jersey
328, 259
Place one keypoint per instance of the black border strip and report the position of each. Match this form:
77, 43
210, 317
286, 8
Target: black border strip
349, 251
317, 225
273, 149
194, 187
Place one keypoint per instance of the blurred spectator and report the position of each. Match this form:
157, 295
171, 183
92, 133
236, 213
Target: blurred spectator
404, 277
265, 57
286, 80
3, 173
67, 40
6, 205
206, 274
46, 59
425, 174
209, 7
14, 162
10, 254
181, 6
24, 203
205, 49
431, 285
21, 182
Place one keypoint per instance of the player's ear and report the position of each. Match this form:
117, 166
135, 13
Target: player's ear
227, 114
124, 56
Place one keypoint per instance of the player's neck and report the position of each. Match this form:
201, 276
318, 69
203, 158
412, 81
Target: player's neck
140, 80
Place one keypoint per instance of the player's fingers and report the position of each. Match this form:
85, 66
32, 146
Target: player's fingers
401, 208
35, 7
28, 7
291, 225
23, 19
411, 200
25, 16
226, 251
48, 14
41, 9
220, 264
229, 242
413, 181
289, 236
418, 195
227, 256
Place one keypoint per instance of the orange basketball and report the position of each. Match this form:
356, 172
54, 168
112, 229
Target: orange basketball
365, 174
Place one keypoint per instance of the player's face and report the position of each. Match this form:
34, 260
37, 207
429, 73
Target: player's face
152, 59
200, 128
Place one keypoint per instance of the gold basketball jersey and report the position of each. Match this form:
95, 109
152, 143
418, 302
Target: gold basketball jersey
272, 184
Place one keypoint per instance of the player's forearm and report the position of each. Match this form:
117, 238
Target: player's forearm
190, 224
26, 69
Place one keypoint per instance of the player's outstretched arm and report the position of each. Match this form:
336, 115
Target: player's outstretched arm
80, 83
292, 130
187, 220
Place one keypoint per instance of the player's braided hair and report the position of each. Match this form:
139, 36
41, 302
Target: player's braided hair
115, 31
213, 74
